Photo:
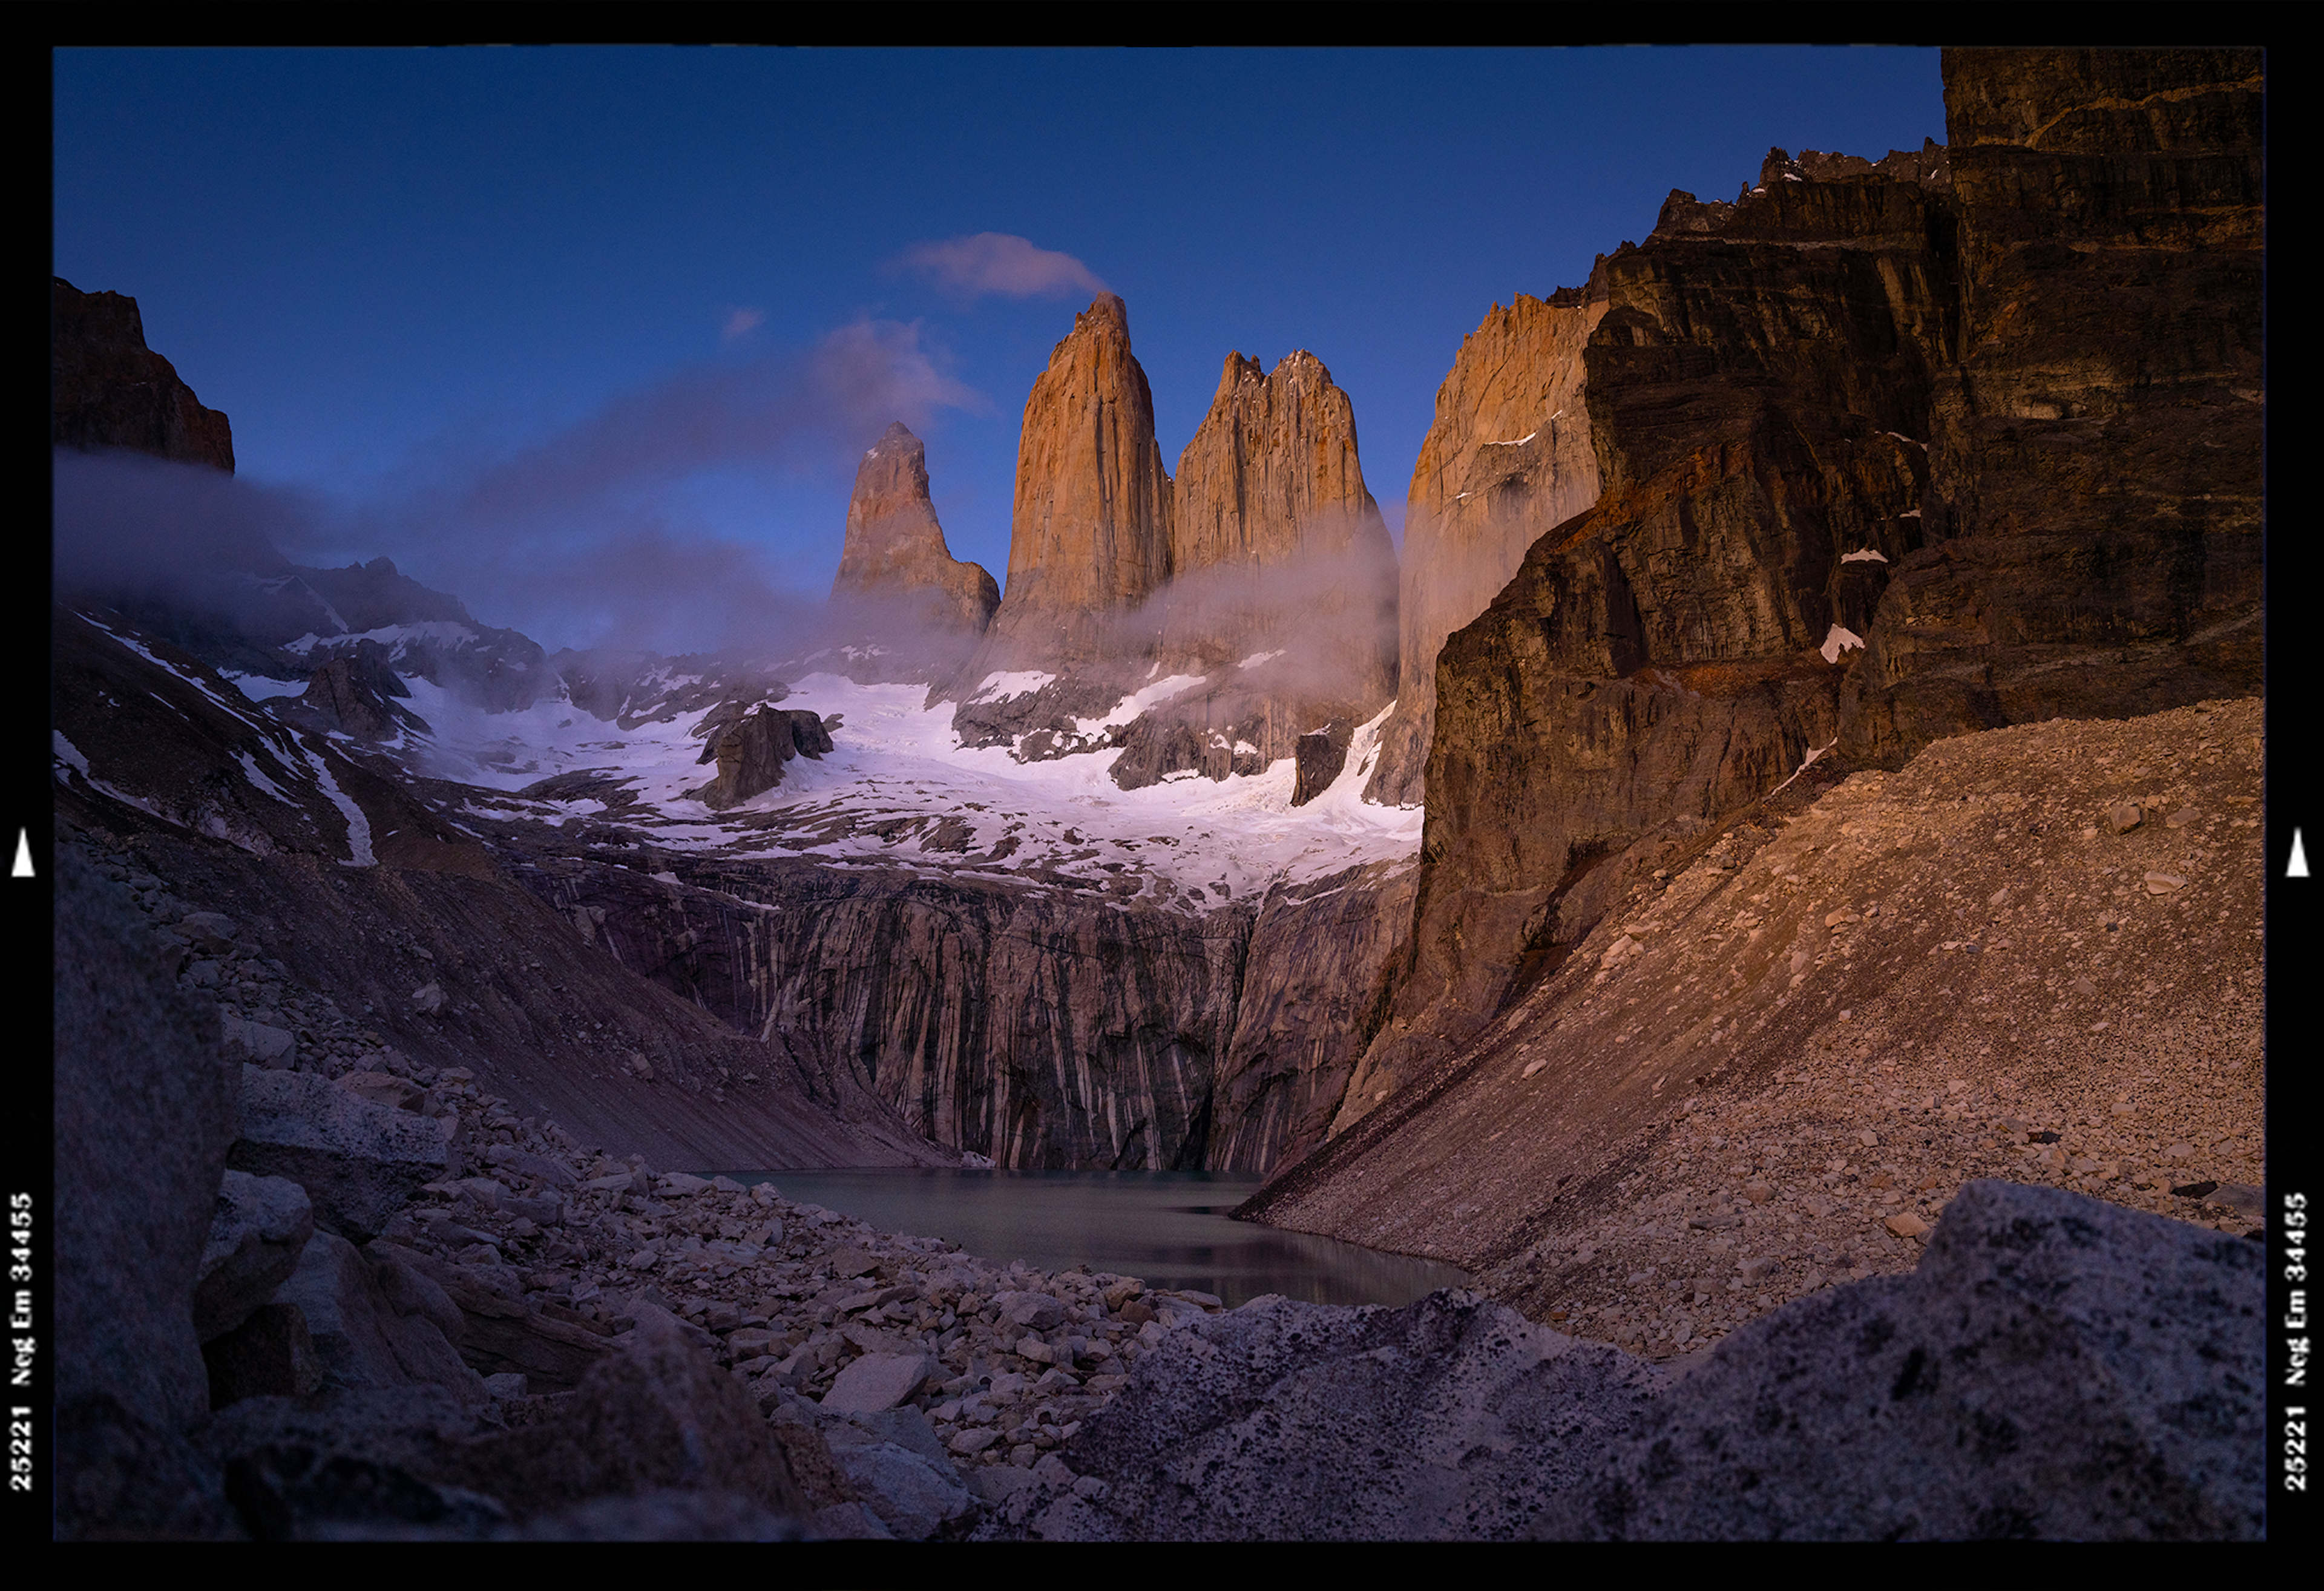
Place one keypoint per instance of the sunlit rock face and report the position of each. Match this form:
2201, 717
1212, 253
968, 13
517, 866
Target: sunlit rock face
895, 549
1202, 627
1507, 457
1090, 530
107, 389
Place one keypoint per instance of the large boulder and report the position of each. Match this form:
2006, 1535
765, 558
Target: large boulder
373, 1327
359, 1161
2056, 1367
1452, 1419
145, 1113
497, 1333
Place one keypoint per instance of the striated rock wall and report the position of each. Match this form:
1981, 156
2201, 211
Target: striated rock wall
895, 549
107, 389
1884, 458
1044, 1028
1507, 457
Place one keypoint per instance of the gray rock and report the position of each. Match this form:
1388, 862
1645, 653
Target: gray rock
270, 1354
427, 999
655, 1417
259, 1231
210, 932
1452, 1419
900, 1472
2056, 1367
364, 1341
275, 1048
145, 1111
1035, 1311
360, 1163
876, 1381
384, 1087
497, 1332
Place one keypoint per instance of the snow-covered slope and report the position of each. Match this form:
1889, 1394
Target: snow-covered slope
900, 789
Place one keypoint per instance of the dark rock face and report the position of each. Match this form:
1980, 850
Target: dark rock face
1820, 420
2095, 502
132, 1218
2057, 1368
355, 691
751, 753
1450, 1420
1322, 754
107, 389
895, 549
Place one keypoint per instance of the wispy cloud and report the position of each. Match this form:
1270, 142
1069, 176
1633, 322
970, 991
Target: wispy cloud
998, 262
741, 323
594, 535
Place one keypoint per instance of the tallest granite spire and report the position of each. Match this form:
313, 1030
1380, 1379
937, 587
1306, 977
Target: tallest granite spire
1090, 534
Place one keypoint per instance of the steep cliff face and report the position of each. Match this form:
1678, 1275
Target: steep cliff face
1756, 396
2096, 507
1283, 596
1507, 457
1043, 1027
1090, 532
107, 389
895, 550
1884, 458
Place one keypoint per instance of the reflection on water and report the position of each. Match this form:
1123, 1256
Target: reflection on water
1167, 1228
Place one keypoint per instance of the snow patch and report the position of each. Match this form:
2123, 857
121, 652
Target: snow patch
1253, 661
250, 772
1837, 642
259, 688
1002, 688
1131, 706
1864, 556
358, 826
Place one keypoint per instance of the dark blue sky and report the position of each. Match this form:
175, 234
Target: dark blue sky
578, 332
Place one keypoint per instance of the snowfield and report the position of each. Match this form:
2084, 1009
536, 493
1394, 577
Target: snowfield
898, 789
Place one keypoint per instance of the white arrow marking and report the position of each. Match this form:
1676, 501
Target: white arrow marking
2297, 869
24, 868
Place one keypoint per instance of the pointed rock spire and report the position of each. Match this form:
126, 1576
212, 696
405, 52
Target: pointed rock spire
1090, 534
895, 548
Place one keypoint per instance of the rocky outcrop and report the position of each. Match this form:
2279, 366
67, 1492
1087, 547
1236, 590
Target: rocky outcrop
751, 749
1507, 457
1267, 612
1090, 532
107, 389
2054, 1369
895, 549
355, 691
1784, 398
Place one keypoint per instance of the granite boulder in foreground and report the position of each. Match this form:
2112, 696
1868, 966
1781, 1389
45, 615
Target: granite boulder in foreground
2056, 1367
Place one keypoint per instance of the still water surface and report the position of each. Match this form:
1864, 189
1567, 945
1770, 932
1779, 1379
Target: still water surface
1167, 1228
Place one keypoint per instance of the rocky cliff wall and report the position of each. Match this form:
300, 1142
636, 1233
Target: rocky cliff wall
1507, 457
1837, 507
107, 389
1044, 1028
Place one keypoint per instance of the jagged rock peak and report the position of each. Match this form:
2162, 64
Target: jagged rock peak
1091, 526
895, 548
1272, 472
107, 389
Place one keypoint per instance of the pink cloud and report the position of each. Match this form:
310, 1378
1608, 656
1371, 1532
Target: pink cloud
998, 263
